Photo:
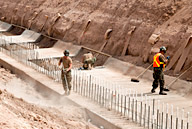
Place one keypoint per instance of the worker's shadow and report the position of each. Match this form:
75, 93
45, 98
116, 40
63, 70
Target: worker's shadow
150, 94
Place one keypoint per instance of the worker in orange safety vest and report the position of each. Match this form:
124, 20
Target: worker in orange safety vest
159, 63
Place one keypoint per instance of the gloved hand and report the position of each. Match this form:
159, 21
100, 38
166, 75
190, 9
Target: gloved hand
64, 71
168, 57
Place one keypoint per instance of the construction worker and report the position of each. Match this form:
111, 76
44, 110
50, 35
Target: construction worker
88, 61
66, 71
159, 63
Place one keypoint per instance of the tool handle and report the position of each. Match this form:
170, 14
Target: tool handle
144, 70
178, 77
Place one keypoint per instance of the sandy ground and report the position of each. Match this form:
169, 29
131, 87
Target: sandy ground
27, 109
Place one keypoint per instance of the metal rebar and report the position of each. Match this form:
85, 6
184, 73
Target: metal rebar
157, 118
103, 97
141, 113
182, 124
145, 114
115, 103
162, 121
109, 99
92, 86
112, 100
129, 103
166, 123
81, 92
171, 122
176, 123
84, 85
121, 104
118, 102
148, 117
100, 96
125, 105
95, 93
133, 109
136, 110
187, 120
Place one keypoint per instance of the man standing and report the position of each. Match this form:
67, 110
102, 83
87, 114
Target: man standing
159, 62
88, 61
66, 71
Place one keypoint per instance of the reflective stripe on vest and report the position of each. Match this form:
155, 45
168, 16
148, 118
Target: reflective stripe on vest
156, 61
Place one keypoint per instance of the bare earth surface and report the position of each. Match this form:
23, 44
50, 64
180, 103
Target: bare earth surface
29, 110
170, 19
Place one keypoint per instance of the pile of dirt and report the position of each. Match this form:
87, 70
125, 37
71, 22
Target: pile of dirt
85, 22
16, 112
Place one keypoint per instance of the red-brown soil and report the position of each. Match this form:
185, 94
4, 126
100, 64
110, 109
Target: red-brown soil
29, 110
172, 21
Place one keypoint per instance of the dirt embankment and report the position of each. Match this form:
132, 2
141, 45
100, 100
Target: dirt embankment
30, 110
85, 22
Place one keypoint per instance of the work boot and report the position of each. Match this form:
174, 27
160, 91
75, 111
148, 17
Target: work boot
69, 92
165, 89
162, 93
65, 93
153, 90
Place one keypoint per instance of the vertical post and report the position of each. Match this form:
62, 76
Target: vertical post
166, 125
188, 120
118, 103
157, 118
125, 105
149, 117
90, 85
115, 99
103, 96
145, 110
182, 117
100, 95
97, 93
136, 110
112, 100
129, 108
177, 118
121, 104
162, 125
133, 110
141, 112
171, 117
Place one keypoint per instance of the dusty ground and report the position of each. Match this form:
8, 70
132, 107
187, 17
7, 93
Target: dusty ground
28, 109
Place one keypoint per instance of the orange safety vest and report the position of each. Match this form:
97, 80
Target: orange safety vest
156, 61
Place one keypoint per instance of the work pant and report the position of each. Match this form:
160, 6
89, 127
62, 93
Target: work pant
88, 63
68, 81
158, 76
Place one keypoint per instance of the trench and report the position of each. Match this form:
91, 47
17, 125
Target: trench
40, 94
27, 54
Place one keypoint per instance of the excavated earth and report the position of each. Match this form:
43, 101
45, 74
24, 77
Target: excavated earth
170, 19
85, 22
35, 111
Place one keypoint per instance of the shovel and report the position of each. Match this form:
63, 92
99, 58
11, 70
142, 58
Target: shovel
65, 77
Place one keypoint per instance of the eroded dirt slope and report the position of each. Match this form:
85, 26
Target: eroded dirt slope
170, 20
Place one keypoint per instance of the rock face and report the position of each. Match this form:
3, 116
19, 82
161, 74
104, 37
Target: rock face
85, 22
